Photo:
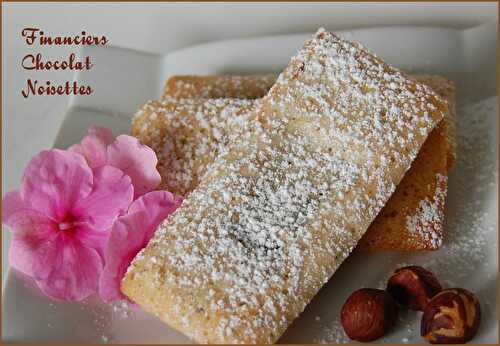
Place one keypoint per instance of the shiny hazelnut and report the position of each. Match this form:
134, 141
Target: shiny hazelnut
451, 317
368, 314
413, 287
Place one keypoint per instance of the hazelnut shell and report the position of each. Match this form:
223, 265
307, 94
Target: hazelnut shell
413, 287
368, 314
451, 317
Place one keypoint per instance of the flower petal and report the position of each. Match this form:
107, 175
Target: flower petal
12, 206
21, 256
129, 235
126, 240
95, 239
24, 245
78, 149
137, 161
158, 205
111, 196
29, 229
94, 146
66, 269
54, 180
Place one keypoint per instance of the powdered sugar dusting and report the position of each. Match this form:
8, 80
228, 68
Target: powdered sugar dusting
283, 205
468, 257
427, 221
185, 144
474, 178
333, 333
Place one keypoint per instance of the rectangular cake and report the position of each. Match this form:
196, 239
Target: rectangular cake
283, 206
187, 130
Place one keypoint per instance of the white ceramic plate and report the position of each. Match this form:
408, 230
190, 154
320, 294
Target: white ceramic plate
125, 79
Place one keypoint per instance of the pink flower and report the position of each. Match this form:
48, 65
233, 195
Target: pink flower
130, 234
60, 220
72, 202
138, 161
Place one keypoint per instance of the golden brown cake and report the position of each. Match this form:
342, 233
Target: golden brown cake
188, 134
279, 210
214, 87
413, 218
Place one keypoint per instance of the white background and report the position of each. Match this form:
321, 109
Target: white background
30, 125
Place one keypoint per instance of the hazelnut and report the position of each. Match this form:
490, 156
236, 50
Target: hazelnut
451, 317
368, 314
413, 286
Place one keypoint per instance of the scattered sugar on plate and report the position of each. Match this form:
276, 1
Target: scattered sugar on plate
332, 333
468, 230
121, 309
